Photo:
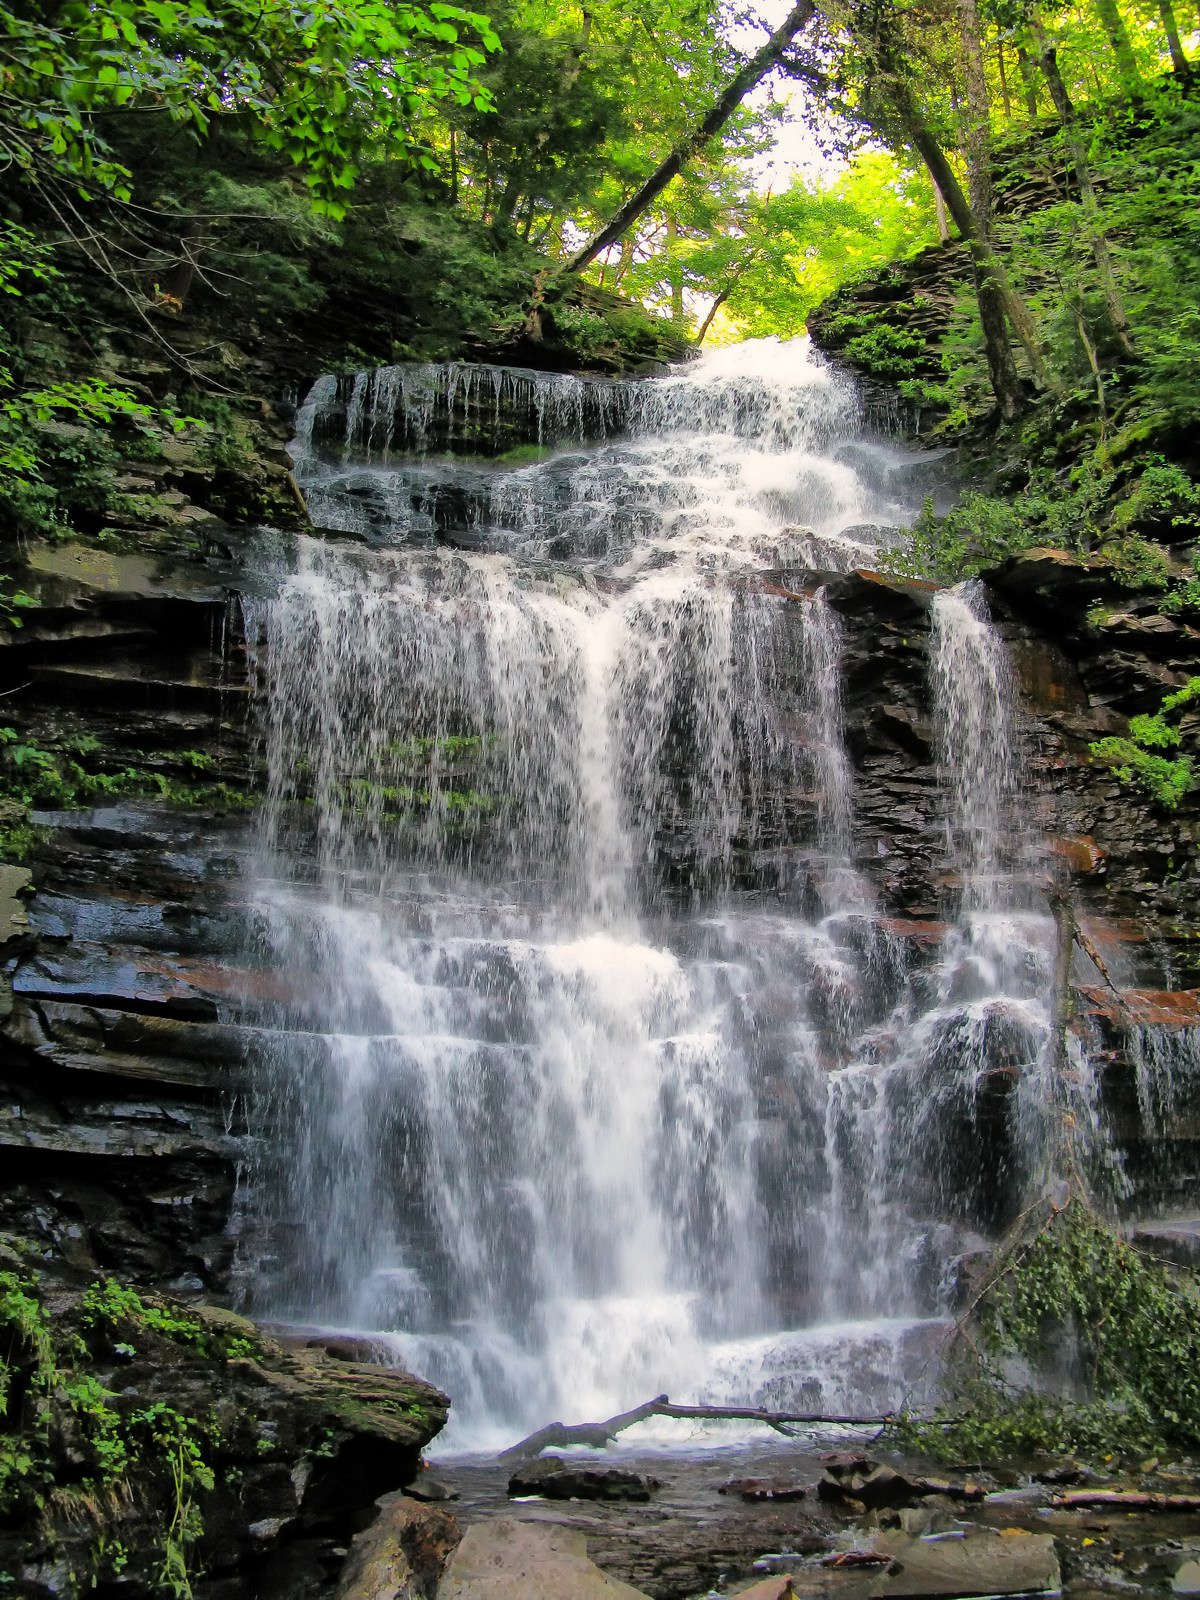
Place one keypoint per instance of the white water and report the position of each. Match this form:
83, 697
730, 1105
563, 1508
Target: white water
600, 1076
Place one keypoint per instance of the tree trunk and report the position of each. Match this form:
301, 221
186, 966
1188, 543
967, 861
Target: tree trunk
1113, 24
1004, 94
674, 271
939, 206
979, 174
1077, 155
740, 85
1002, 372
453, 167
510, 199
1179, 62
711, 313
1029, 81
177, 283
598, 1435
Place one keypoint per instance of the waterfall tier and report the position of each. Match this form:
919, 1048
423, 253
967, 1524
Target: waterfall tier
601, 1066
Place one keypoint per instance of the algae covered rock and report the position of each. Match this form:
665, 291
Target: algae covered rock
162, 1444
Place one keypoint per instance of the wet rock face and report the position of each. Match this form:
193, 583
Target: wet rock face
119, 1127
134, 999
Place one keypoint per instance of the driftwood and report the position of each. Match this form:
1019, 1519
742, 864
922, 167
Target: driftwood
556, 1435
1125, 1500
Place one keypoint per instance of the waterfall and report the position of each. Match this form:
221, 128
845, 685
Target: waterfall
597, 1071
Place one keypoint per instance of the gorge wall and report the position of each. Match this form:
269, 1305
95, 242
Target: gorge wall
133, 995
166, 970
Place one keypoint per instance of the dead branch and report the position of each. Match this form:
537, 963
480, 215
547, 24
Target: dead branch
596, 1435
1125, 1500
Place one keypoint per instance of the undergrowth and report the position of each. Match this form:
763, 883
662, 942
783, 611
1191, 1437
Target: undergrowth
1137, 757
50, 1394
1078, 1344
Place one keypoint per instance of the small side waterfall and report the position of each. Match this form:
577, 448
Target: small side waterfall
598, 1070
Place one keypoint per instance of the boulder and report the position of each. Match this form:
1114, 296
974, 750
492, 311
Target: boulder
876, 1488
402, 1555
511, 1560
880, 1487
557, 1479
980, 1563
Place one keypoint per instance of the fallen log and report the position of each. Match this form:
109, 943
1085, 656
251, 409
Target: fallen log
1124, 1500
596, 1435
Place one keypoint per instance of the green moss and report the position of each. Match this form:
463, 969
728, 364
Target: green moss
1132, 1325
36, 775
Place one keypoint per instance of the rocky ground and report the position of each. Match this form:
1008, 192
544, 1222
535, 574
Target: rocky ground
128, 1014
774, 1521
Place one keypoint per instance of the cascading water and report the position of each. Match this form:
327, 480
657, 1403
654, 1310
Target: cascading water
597, 1073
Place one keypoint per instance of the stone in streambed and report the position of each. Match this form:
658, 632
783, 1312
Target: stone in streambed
1187, 1579
758, 1489
569, 1480
778, 1588
879, 1487
402, 1555
510, 1560
980, 1563
875, 1489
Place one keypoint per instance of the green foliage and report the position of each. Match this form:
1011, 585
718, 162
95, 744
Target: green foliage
1162, 496
977, 534
1134, 759
154, 1450
33, 775
111, 1303
325, 84
1126, 1334
114, 1306
58, 455
1136, 562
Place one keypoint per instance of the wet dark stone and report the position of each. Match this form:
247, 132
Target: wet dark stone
568, 1480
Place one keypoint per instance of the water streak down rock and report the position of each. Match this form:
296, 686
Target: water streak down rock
619, 990
606, 1068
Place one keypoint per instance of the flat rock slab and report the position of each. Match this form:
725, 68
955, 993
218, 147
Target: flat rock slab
510, 1560
753, 1490
981, 1563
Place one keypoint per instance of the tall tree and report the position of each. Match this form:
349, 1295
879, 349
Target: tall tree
1081, 167
747, 78
1113, 23
1180, 64
977, 124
